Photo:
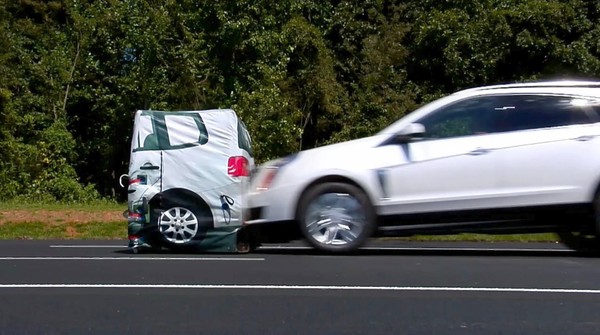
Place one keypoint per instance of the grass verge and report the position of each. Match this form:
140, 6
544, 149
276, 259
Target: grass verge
38, 220
118, 230
103, 220
67, 230
99, 205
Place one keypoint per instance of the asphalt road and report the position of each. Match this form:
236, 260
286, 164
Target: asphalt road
96, 287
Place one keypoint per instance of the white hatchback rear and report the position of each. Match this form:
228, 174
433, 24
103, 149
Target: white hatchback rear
188, 173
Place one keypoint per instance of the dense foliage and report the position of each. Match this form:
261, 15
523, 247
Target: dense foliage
301, 73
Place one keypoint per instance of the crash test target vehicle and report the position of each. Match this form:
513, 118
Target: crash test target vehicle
500, 159
188, 173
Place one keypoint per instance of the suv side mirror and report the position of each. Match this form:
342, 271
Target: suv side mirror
410, 132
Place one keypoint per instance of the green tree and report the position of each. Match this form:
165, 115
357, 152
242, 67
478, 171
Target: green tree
300, 73
38, 151
469, 43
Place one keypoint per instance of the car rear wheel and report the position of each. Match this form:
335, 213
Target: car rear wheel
181, 224
584, 237
336, 217
178, 225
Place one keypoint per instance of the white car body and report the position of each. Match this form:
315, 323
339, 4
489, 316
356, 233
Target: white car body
558, 164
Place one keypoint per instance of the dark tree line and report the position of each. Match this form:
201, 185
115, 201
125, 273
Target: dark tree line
301, 73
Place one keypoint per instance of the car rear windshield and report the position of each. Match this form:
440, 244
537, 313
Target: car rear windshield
169, 131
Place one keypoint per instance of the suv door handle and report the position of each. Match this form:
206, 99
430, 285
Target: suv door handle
479, 151
585, 138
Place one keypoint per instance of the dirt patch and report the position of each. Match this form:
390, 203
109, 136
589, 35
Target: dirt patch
71, 232
59, 217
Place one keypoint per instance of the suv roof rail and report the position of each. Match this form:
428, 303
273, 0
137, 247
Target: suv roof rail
538, 84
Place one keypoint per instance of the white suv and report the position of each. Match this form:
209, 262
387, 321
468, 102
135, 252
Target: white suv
498, 159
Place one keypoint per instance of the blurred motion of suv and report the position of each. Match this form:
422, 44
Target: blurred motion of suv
498, 159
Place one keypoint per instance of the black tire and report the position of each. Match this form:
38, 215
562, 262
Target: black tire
579, 240
584, 237
182, 222
248, 240
336, 217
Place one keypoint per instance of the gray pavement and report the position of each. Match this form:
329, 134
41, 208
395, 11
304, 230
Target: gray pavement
97, 287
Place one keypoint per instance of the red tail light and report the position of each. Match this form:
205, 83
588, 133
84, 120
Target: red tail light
135, 181
238, 166
141, 179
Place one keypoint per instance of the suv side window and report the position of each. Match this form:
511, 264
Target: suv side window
533, 112
463, 118
502, 113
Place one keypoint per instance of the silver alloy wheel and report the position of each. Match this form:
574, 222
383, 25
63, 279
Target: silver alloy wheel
335, 219
178, 225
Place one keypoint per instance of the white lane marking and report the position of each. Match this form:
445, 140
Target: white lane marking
312, 287
430, 249
275, 247
130, 259
124, 246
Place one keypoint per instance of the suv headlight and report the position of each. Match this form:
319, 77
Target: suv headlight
270, 170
